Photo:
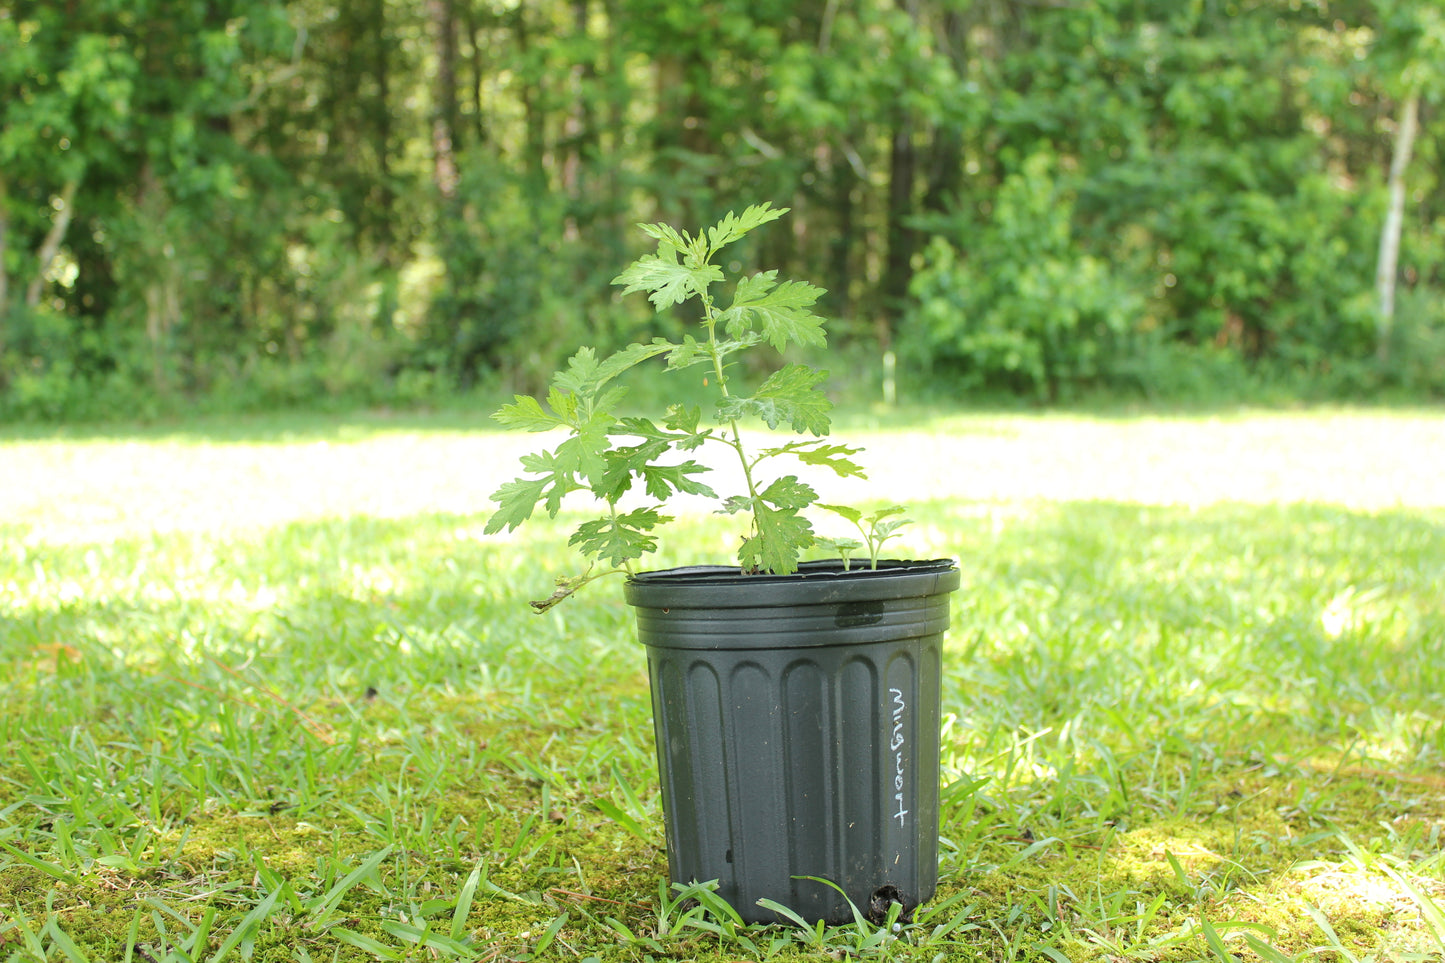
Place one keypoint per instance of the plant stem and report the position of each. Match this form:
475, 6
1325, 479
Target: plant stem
710, 322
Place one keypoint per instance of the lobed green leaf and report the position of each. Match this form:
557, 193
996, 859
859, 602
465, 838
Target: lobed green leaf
666, 281
822, 456
516, 500
789, 492
526, 414
688, 353
663, 480
779, 313
564, 402
667, 234
791, 395
684, 419
631, 356
779, 536
734, 226
578, 377
846, 511
619, 539
578, 385
622, 464
682, 424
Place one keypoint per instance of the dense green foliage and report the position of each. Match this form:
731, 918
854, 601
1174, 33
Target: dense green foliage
321, 726
603, 454
256, 202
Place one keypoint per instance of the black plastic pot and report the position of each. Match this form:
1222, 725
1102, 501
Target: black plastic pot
797, 722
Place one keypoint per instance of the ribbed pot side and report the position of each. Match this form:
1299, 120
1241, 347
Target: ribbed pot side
797, 722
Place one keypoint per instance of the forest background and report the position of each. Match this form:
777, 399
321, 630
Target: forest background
250, 204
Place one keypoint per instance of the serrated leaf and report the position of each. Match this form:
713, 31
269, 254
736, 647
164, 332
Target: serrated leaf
688, 353
620, 539
789, 395
683, 433
631, 356
578, 377
830, 456
779, 536
789, 492
665, 280
564, 403
526, 414
883, 529
778, 313
516, 500
734, 226
667, 234
640, 428
734, 504
578, 385
539, 463
662, 480
582, 454
852, 514
683, 419
622, 464
734, 345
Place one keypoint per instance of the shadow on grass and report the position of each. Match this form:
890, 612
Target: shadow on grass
1191, 704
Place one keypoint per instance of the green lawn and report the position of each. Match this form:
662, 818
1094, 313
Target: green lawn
269, 694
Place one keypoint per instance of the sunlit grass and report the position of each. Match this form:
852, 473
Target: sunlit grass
262, 473
277, 698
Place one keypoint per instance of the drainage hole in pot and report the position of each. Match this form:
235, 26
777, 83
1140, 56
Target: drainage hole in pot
883, 899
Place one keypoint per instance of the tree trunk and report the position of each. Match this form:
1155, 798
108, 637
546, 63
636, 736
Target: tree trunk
902, 174
842, 242
53, 239
479, 127
1387, 265
444, 124
4, 275
382, 131
898, 266
535, 122
945, 175
577, 129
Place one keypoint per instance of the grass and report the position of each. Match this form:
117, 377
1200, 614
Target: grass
273, 697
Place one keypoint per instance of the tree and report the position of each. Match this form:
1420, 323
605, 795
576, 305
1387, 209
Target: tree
1411, 50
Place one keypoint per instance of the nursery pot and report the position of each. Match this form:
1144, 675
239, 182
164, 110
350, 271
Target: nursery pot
797, 723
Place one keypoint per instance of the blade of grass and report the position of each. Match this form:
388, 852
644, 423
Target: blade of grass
251, 921
423, 936
376, 949
59, 938
613, 812
49, 869
132, 935
464, 902
326, 905
549, 934
27, 935
812, 934
1329, 931
1267, 951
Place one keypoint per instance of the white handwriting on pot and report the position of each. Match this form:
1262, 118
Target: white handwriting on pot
895, 744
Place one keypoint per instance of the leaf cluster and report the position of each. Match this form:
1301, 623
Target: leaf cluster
610, 456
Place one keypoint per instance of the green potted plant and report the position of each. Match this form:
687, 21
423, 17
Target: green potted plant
795, 703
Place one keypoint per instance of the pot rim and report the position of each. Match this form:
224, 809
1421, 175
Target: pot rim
823, 582
827, 568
